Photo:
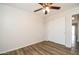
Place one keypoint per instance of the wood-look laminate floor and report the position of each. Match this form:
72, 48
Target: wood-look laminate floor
75, 48
42, 48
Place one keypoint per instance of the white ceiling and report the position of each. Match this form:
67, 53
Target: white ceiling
30, 7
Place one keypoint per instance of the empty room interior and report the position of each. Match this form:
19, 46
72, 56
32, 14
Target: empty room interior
39, 29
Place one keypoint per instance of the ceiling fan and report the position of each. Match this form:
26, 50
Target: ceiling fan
46, 7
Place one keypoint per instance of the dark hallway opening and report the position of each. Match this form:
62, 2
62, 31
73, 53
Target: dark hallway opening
75, 34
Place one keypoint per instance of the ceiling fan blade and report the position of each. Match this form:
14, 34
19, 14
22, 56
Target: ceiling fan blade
53, 7
38, 9
41, 4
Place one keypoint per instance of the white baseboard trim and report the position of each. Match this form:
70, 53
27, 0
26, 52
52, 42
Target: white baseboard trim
21, 46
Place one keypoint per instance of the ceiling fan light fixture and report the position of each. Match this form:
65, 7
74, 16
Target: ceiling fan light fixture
46, 9
43, 10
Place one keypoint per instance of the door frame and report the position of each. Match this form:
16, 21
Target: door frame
68, 25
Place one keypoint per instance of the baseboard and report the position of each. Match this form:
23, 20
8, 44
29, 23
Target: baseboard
21, 47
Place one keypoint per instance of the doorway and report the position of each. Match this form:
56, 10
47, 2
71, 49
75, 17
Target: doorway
75, 37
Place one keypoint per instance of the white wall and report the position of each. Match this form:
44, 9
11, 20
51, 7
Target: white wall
59, 27
56, 30
19, 28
